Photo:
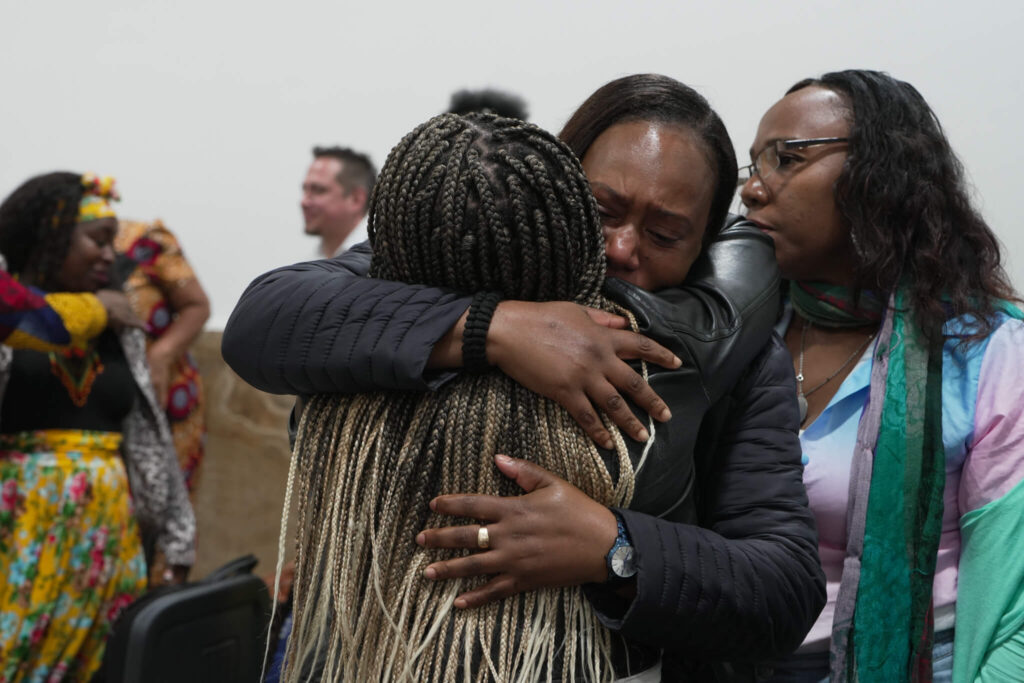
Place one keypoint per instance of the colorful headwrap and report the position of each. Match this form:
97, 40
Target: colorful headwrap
99, 192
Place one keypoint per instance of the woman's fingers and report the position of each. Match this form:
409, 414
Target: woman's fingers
552, 535
498, 588
476, 564
582, 410
466, 536
559, 350
529, 475
636, 387
472, 506
632, 346
608, 399
606, 319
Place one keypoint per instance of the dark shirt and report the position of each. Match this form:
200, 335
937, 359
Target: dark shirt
36, 398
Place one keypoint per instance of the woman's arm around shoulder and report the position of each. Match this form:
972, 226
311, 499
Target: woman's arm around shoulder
323, 327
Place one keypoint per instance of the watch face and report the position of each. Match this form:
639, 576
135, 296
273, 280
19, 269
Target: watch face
624, 561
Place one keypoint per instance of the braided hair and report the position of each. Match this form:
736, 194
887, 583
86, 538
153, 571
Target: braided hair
476, 203
36, 222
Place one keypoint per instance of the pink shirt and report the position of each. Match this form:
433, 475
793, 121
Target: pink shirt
983, 432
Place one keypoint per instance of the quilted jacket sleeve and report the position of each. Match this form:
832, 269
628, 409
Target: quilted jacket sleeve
323, 327
746, 585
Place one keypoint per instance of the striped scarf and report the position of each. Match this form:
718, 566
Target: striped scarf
883, 630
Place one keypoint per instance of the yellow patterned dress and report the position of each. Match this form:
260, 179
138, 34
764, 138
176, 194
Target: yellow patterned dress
160, 266
70, 549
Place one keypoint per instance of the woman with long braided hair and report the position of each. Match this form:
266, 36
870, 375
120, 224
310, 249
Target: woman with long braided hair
712, 567
77, 425
481, 204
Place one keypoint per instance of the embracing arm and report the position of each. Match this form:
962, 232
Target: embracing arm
323, 327
747, 584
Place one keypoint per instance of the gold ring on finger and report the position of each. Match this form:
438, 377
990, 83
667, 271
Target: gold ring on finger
483, 539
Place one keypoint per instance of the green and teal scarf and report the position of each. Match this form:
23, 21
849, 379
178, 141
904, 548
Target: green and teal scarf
882, 630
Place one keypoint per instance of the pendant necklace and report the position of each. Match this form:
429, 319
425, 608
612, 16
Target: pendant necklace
801, 398
77, 368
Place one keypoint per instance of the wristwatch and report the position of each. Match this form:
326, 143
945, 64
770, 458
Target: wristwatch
621, 559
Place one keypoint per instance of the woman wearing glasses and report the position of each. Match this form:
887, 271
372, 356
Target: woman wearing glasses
908, 361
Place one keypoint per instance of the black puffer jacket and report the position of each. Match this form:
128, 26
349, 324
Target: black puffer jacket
323, 327
726, 544
743, 583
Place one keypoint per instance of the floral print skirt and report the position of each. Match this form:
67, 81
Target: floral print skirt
70, 554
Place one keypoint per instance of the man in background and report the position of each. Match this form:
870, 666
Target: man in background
335, 195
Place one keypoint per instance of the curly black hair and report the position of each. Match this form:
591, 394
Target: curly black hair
904, 198
36, 222
660, 99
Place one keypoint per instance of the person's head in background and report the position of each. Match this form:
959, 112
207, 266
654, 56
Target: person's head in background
57, 231
662, 167
335, 195
489, 101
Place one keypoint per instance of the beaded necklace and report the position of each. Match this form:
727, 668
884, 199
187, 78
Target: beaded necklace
77, 369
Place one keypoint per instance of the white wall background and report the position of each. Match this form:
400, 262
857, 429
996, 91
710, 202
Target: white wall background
206, 110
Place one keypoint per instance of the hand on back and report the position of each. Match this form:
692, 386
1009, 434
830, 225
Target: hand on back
576, 356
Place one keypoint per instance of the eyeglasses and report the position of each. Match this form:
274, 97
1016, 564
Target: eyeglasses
768, 161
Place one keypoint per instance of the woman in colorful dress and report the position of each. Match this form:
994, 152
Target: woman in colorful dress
76, 427
909, 374
165, 293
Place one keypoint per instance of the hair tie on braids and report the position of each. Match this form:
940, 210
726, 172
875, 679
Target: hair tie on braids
474, 336
499, 208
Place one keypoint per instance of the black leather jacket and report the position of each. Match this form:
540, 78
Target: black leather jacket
725, 542
716, 323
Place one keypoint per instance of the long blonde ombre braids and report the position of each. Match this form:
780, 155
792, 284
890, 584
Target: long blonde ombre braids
477, 203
